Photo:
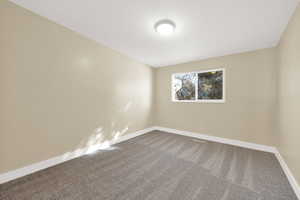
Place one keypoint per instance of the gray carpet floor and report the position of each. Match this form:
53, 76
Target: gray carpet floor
159, 166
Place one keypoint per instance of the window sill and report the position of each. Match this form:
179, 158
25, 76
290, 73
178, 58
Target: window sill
199, 101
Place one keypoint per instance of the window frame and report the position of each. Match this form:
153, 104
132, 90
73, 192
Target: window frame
223, 100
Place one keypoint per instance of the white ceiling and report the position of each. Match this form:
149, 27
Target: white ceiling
205, 28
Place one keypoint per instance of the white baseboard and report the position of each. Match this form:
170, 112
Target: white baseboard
11, 175
219, 139
288, 173
132, 135
248, 145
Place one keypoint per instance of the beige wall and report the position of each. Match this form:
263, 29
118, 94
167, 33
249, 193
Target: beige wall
289, 95
57, 88
248, 113
59, 91
262, 98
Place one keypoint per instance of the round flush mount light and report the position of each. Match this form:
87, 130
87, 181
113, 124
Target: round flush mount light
165, 27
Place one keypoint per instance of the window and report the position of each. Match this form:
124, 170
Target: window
202, 86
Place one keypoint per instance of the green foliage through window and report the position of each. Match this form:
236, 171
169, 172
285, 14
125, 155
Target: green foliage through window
198, 86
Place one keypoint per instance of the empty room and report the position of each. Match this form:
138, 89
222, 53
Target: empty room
149, 100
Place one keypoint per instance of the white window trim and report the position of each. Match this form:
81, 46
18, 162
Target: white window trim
196, 88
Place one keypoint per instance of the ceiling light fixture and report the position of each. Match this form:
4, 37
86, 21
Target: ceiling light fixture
165, 27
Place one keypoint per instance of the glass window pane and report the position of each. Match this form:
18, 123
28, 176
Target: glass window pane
184, 86
210, 85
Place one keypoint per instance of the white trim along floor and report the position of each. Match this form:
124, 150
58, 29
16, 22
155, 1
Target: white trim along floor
11, 175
